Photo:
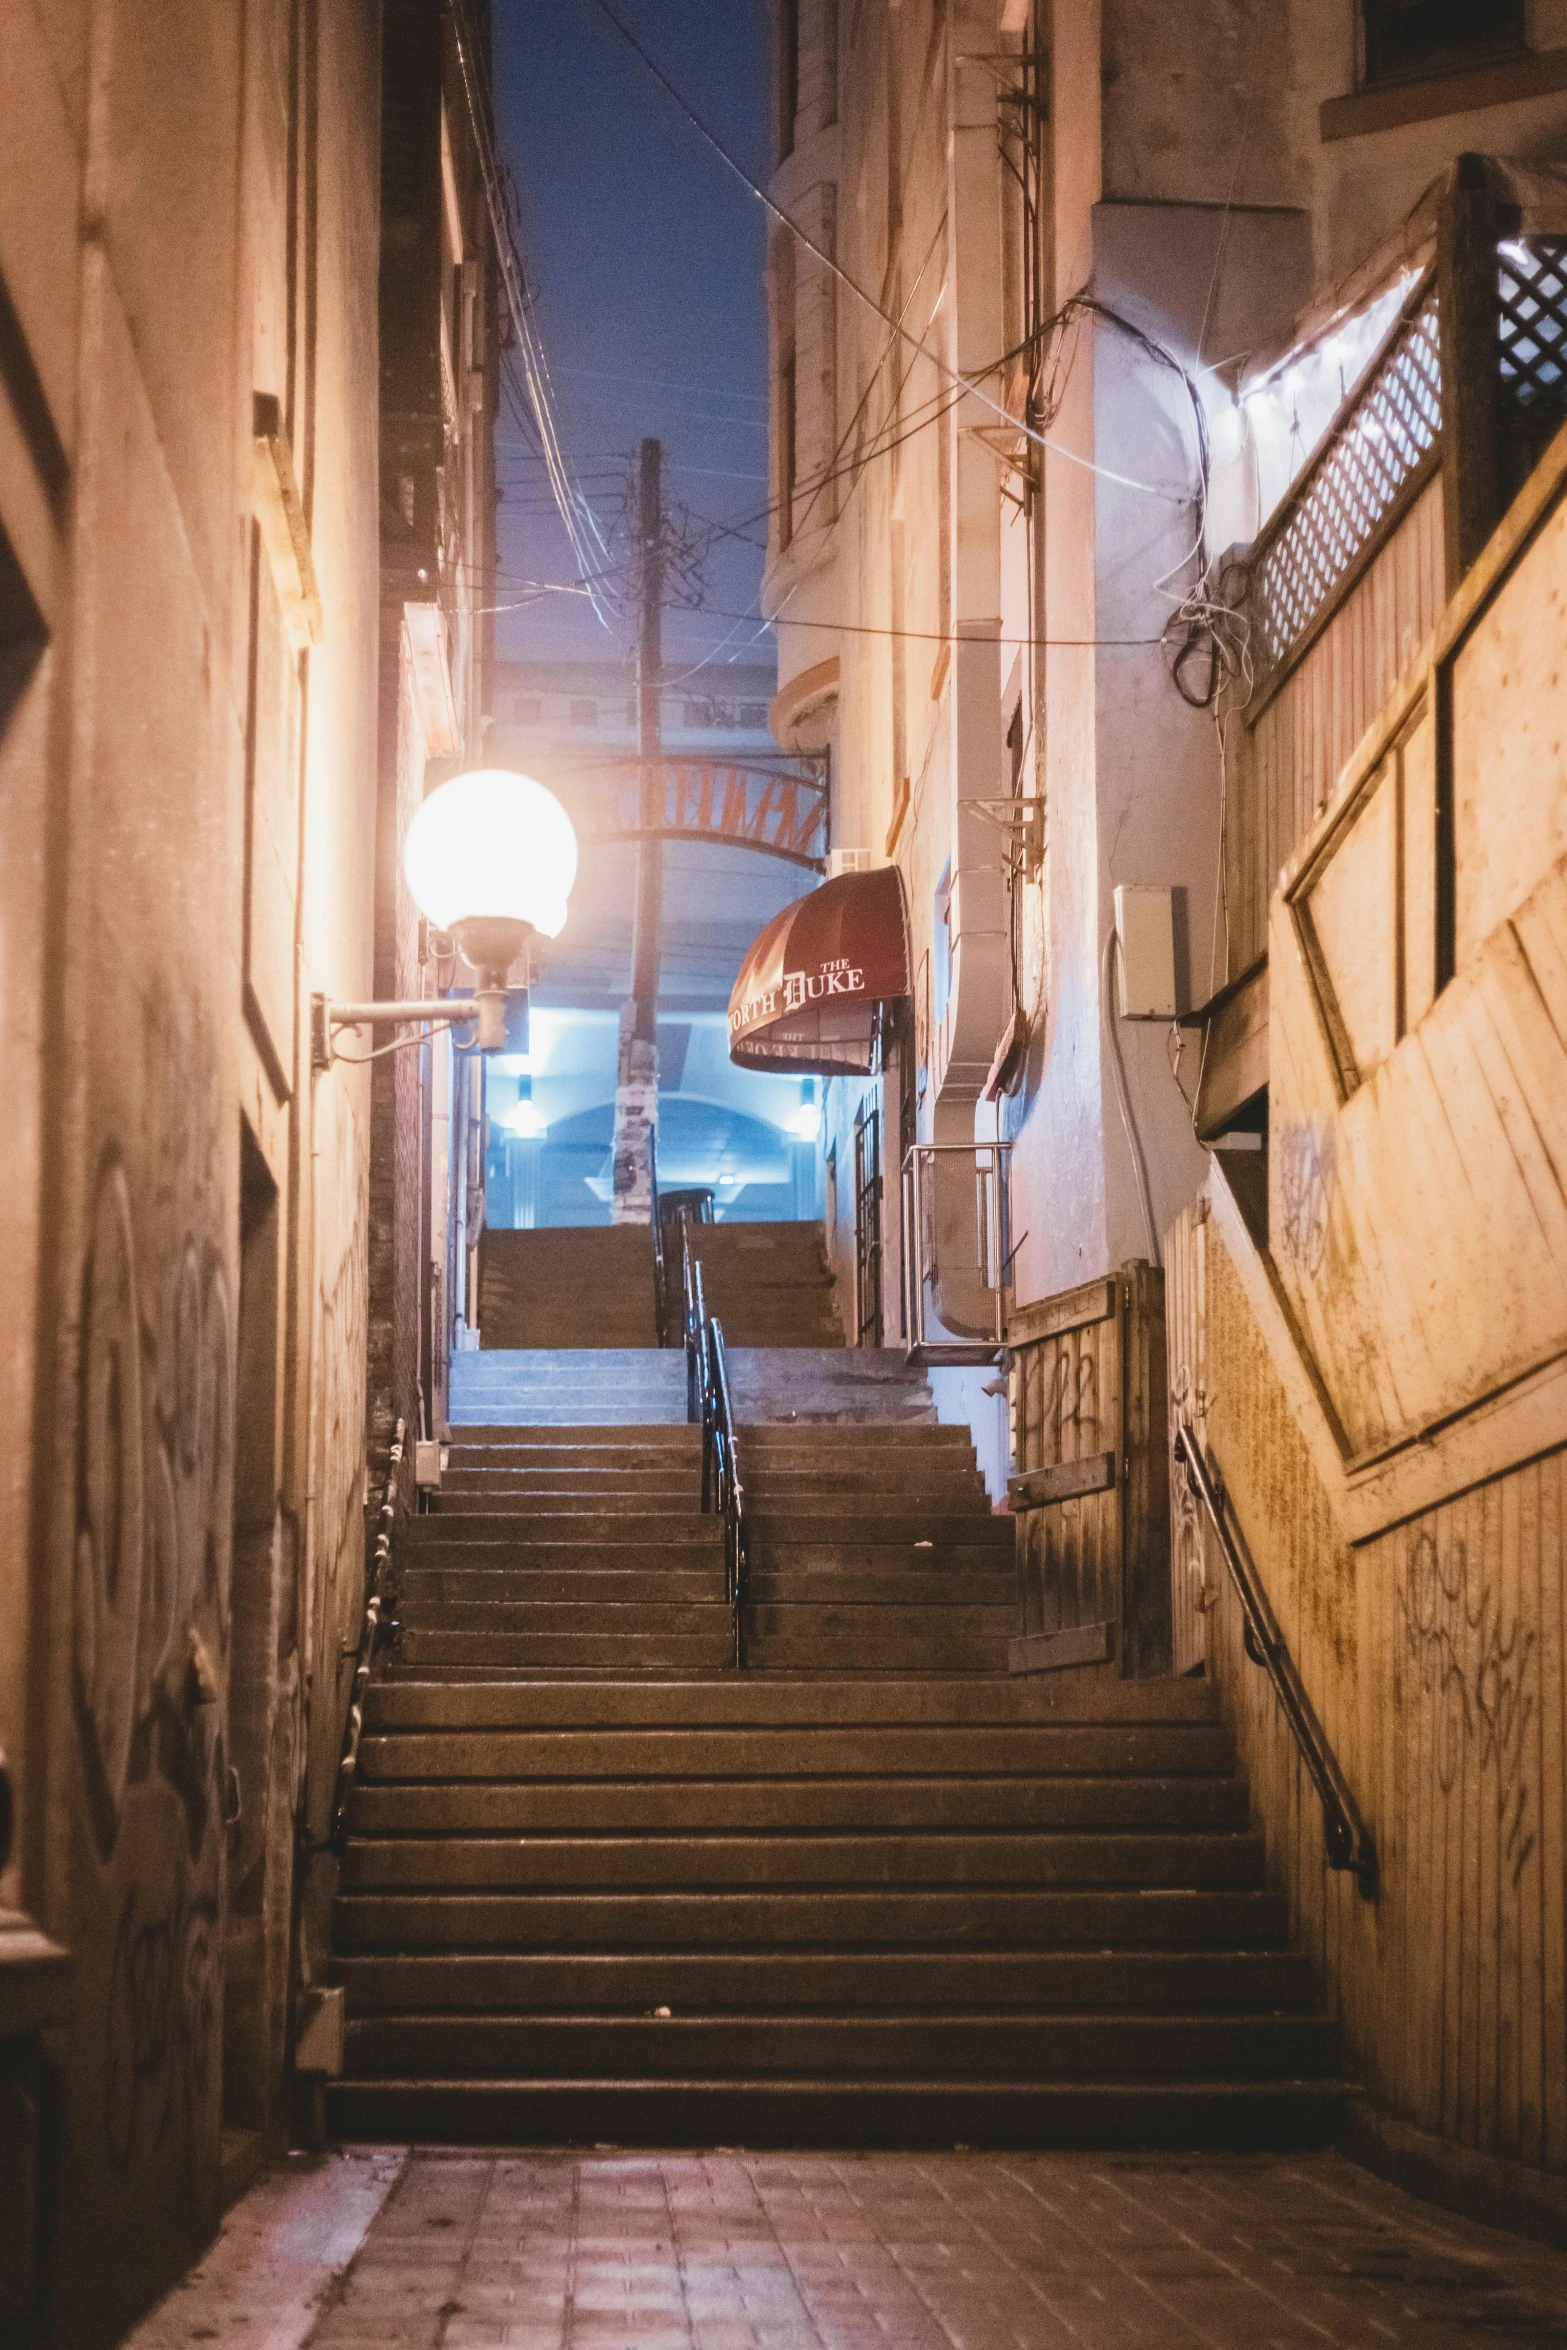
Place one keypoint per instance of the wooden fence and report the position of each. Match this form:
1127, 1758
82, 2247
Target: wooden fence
1091, 1485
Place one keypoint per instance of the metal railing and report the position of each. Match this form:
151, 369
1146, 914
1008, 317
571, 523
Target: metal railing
660, 1267
1348, 1840
371, 1633
708, 1404
940, 1245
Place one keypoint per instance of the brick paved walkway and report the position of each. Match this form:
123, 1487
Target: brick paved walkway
626, 2251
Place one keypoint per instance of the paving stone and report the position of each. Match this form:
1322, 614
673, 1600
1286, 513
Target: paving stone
387, 2249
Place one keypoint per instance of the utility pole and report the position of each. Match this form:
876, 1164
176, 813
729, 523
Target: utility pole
636, 1092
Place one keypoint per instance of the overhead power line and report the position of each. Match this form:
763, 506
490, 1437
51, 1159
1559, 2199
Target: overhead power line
966, 385
575, 512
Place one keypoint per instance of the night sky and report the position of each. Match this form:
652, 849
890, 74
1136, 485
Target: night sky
645, 258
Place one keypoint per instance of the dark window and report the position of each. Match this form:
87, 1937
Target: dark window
753, 715
788, 74
1405, 38
786, 452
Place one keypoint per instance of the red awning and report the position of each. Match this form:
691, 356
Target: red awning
807, 993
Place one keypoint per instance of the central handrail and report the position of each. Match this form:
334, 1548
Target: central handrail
1348, 1839
709, 1403
660, 1268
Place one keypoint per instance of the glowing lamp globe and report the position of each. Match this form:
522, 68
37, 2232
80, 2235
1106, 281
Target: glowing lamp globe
490, 858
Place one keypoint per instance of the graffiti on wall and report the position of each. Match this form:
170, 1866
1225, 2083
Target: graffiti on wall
1474, 1662
1306, 1171
150, 1636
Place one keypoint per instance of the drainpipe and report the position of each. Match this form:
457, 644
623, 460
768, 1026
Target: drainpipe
977, 1002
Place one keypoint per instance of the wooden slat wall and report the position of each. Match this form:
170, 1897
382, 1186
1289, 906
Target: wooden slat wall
1066, 1406
1420, 1227
1436, 1655
1289, 756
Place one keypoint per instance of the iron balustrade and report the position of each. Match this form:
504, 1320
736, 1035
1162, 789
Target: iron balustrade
372, 1631
709, 1404
929, 1184
1348, 1840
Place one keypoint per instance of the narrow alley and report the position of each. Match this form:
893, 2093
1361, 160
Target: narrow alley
783, 1215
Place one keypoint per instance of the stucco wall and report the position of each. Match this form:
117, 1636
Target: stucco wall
161, 202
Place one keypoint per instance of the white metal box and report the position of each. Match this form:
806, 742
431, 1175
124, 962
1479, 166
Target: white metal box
1145, 932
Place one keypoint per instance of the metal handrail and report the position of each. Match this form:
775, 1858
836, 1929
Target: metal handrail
994, 1248
371, 1633
1348, 1839
708, 1402
660, 1269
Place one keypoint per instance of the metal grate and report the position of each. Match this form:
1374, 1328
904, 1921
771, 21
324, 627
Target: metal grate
1378, 444
1532, 296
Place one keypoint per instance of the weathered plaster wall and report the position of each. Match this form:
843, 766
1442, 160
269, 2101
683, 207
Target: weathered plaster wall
135, 1675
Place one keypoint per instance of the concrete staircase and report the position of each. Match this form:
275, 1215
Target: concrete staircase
768, 1284
780, 1910
579, 1387
872, 1549
602, 1886
568, 1286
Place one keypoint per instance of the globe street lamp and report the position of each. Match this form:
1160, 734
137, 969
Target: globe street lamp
489, 860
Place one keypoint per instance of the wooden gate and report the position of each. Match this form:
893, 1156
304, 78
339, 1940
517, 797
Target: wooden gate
1091, 1487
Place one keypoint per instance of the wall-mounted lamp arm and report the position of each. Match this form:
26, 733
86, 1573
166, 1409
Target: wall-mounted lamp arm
488, 1008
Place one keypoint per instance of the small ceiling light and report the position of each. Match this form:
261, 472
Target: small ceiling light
805, 1123
526, 1121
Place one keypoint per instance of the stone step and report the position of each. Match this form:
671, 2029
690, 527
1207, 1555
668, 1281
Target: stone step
1046, 2048
1194, 1982
473, 1470
461, 1584
1138, 1715
799, 1649
650, 1441
949, 1473
909, 1524
702, 1806
707, 1753
618, 1615
494, 1493
844, 1444
853, 1548
424, 1588
649, 1647
568, 1522
601, 1863
830, 1587
910, 2114
442, 1547
1082, 1917
1286, 2116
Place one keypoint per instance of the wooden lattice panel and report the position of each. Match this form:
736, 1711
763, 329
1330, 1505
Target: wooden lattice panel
1532, 327
1382, 440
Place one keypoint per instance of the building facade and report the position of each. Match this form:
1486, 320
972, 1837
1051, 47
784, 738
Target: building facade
1137, 429
193, 521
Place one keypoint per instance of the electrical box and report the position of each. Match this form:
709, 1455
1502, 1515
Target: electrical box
322, 2033
1145, 933
428, 1463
